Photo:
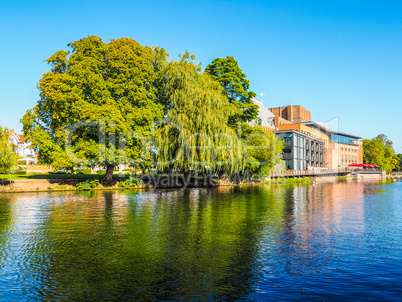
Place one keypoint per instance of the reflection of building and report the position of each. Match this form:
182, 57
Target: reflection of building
22, 148
309, 143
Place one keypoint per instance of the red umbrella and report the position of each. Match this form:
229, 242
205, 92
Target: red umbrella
354, 165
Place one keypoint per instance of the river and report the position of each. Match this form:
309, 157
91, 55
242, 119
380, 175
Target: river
322, 242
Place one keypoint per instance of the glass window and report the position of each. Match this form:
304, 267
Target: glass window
338, 138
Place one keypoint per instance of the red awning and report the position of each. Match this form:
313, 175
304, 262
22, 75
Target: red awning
357, 165
364, 165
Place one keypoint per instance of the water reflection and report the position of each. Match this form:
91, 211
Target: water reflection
5, 226
226, 243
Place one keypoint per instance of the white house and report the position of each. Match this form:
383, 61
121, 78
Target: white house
265, 117
22, 148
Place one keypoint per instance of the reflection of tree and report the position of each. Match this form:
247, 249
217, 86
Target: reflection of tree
5, 225
171, 245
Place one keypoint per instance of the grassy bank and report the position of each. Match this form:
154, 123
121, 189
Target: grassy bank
80, 182
58, 176
281, 180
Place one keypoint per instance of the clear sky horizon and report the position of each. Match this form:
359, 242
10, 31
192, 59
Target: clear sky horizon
339, 59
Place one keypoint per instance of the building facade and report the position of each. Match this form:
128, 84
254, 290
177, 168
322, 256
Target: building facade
291, 113
342, 150
22, 148
301, 150
309, 144
265, 117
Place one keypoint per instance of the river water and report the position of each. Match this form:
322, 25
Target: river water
323, 242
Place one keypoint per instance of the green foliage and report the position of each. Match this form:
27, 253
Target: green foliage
7, 157
129, 183
110, 84
281, 180
380, 151
262, 150
84, 171
235, 88
399, 159
87, 185
194, 133
20, 170
101, 172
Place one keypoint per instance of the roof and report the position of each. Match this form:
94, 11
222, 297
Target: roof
325, 128
22, 139
299, 133
263, 113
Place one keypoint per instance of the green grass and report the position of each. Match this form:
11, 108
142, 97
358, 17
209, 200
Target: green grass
73, 176
281, 180
49, 176
79, 176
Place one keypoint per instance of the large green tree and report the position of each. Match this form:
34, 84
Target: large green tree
380, 151
399, 166
195, 131
235, 88
7, 157
96, 105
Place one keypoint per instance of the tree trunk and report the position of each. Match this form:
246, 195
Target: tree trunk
186, 178
109, 174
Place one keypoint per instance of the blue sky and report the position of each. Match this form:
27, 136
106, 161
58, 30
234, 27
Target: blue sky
339, 59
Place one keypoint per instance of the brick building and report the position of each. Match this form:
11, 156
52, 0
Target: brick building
309, 144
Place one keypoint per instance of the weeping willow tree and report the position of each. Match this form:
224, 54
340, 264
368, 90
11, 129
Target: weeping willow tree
194, 134
7, 157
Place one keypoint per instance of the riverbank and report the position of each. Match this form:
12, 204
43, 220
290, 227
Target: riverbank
66, 182
53, 185
62, 183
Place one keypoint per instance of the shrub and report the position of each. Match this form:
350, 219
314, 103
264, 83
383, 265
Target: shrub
101, 172
281, 180
130, 182
88, 184
19, 170
86, 171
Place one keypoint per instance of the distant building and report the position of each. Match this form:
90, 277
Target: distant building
301, 151
22, 148
342, 150
304, 147
309, 144
265, 117
290, 114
